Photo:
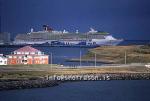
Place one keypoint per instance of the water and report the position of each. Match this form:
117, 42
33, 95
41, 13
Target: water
84, 91
135, 42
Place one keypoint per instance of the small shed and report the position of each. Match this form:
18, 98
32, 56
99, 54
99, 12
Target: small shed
3, 60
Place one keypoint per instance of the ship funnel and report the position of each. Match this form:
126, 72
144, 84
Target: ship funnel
47, 28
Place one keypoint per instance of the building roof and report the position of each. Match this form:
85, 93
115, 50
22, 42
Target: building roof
27, 49
28, 55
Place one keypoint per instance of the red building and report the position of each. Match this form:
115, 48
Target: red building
27, 55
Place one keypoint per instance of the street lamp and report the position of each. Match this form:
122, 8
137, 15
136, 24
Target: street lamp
51, 59
125, 57
95, 59
80, 58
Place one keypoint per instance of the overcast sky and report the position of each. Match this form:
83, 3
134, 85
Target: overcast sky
129, 19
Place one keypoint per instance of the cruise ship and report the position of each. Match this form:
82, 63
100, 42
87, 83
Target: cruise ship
52, 37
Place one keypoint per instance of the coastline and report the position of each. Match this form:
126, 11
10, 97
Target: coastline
90, 60
26, 84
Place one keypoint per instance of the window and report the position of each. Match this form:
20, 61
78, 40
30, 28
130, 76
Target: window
10, 56
26, 52
18, 52
32, 53
15, 52
24, 61
17, 61
39, 53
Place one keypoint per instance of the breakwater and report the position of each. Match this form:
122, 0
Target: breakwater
48, 82
129, 76
27, 84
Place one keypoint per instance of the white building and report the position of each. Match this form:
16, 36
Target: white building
147, 65
3, 60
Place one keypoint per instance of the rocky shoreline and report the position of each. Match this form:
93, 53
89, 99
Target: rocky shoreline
46, 82
27, 84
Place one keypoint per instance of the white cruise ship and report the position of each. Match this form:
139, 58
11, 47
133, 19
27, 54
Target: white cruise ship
65, 38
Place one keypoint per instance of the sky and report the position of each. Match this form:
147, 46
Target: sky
128, 19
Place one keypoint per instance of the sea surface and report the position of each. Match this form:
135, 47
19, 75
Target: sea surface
127, 90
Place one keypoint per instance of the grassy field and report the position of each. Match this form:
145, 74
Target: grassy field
116, 54
25, 71
40, 71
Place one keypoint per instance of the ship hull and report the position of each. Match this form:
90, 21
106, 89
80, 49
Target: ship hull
73, 43
95, 43
104, 42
